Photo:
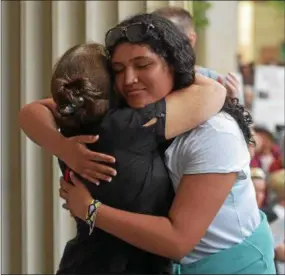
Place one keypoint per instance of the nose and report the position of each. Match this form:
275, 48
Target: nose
130, 76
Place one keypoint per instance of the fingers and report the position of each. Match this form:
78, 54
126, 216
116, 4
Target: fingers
63, 194
231, 78
101, 157
220, 80
232, 85
97, 168
64, 185
86, 139
74, 180
91, 179
96, 176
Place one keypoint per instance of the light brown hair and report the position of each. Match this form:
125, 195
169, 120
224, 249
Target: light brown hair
80, 85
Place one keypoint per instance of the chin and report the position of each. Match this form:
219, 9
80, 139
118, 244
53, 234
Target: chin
136, 104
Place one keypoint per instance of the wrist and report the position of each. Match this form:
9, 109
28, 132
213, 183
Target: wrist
60, 147
91, 213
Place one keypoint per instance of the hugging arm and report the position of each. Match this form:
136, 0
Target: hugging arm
38, 121
191, 106
185, 109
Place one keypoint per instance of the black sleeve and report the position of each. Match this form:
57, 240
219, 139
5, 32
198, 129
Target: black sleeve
156, 110
129, 120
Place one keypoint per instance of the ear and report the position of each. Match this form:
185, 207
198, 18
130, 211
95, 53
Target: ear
192, 37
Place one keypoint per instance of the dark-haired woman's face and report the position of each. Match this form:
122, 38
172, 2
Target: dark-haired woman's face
141, 76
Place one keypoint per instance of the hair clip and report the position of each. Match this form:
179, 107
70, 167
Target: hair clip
67, 110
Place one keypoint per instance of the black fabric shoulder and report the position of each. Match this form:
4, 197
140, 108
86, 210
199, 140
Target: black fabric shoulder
134, 119
156, 110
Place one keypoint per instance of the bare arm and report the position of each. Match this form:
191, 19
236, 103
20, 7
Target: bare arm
37, 120
173, 236
191, 106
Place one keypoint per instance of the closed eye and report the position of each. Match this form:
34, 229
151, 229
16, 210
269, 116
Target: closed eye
143, 65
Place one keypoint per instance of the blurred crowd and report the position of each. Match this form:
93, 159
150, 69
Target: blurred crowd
268, 176
247, 72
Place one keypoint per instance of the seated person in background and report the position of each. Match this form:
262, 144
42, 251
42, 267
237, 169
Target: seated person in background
277, 185
274, 213
259, 181
278, 164
266, 151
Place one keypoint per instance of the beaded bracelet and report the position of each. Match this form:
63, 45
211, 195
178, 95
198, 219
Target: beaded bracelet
91, 214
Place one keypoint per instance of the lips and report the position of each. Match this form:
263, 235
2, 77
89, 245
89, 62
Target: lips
134, 92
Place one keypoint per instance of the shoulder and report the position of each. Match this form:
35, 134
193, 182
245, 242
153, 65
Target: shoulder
222, 123
217, 146
135, 118
219, 126
122, 118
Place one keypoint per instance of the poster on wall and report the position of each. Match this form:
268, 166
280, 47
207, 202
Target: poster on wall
268, 108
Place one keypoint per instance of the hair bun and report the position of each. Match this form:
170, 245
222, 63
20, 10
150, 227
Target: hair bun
76, 84
71, 94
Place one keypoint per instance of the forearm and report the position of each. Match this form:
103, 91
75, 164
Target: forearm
38, 123
193, 105
150, 233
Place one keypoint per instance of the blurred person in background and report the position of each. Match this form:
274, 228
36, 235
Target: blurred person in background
258, 178
277, 186
274, 211
248, 92
184, 22
266, 150
278, 164
259, 181
247, 72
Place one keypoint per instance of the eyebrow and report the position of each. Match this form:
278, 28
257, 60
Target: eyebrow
133, 59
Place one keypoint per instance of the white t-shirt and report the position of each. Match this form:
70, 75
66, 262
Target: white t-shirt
218, 146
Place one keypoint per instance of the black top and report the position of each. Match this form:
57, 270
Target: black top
142, 185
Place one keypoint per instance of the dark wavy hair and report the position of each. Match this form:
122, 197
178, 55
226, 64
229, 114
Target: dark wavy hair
80, 85
164, 40
174, 47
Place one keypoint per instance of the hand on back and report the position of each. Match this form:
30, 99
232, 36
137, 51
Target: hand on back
87, 163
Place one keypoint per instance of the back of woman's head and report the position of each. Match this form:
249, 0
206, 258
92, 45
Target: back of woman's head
163, 38
80, 85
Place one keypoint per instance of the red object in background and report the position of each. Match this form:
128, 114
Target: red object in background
256, 162
276, 165
66, 175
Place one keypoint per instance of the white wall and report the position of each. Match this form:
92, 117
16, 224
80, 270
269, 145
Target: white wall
221, 37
